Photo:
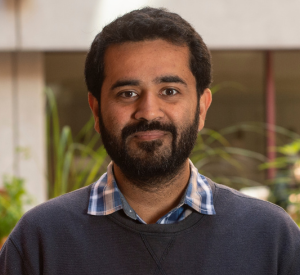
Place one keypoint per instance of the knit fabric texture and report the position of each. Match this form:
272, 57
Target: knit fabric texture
247, 236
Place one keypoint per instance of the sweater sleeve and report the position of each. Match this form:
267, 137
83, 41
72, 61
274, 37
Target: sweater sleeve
11, 262
295, 269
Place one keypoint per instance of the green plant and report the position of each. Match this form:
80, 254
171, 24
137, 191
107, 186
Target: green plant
288, 177
290, 155
294, 207
72, 162
213, 147
12, 199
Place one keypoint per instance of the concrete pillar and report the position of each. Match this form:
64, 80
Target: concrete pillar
7, 144
30, 108
22, 110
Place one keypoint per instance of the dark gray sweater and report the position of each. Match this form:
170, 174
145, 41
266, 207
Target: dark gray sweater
247, 236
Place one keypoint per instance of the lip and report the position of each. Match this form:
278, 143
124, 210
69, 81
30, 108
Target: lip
149, 135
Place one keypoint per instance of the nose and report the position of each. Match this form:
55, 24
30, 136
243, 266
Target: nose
149, 107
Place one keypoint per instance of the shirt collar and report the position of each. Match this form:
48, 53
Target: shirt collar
106, 198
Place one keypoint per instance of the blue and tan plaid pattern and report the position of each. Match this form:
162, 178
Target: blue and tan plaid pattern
106, 198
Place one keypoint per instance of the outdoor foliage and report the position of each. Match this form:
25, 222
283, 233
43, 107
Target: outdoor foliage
73, 162
287, 182
213, 147
12, 199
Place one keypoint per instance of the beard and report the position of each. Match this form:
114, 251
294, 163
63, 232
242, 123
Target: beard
152, 163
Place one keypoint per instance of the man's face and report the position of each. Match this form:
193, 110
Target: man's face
149, 109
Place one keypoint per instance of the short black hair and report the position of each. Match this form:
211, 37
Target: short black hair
148, 24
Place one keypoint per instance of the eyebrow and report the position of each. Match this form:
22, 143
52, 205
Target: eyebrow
169, 79
158, 80
121, 83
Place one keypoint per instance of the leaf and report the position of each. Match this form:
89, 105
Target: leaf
12, 201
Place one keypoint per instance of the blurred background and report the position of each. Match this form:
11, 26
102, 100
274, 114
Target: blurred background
47, 143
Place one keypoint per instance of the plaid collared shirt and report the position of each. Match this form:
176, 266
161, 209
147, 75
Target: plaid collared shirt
106, 198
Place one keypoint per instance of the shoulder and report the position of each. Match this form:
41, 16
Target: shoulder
73, 201
55, 211
250, 212
42, 229
227, 196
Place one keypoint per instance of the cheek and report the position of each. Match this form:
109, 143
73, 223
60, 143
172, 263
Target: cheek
114, 120
183, 114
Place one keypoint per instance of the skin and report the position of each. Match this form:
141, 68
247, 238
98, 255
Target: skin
149, 80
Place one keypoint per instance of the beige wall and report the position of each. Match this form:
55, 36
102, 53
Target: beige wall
7, 117
22, 121
7, 25
72, 24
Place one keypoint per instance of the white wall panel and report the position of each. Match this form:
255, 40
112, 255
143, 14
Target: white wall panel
57, 24
234, 24
31, 124
231, 24
6, 117
7, 25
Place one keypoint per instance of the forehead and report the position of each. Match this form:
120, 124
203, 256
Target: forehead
146, 58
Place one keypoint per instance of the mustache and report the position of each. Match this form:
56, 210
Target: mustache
143, 126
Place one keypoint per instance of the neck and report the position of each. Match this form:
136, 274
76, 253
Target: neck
153, 203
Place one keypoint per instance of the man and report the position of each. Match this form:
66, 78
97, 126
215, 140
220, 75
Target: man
148, 75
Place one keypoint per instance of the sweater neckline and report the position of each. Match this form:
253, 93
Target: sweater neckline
120, 218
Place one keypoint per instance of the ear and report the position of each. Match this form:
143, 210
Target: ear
94, 105
204, 101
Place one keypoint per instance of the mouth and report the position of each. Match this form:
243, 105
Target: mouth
149, 135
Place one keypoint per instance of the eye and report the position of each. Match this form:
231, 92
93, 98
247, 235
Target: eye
128, 94
169, 92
